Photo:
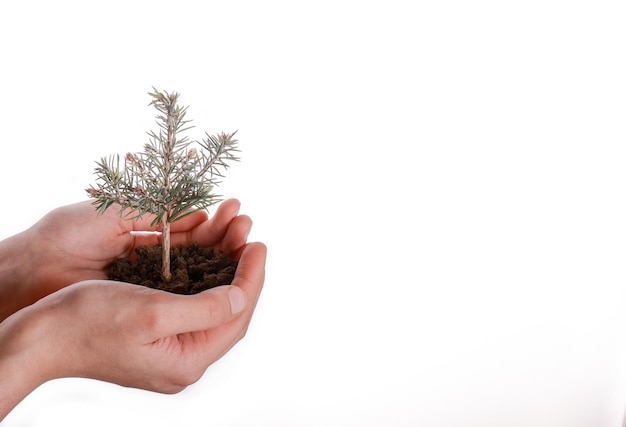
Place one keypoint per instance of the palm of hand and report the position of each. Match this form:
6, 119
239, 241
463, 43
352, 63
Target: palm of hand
185, 356
173, 338
76, 244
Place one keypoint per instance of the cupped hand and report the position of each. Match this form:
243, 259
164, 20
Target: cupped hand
127, 334
73, 243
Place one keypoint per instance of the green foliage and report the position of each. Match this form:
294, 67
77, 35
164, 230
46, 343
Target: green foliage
173, 177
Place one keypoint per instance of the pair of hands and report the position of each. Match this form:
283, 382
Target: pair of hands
64, 319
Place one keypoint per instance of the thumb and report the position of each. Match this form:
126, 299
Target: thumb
191, 313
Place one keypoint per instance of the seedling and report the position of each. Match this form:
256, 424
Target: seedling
170, 179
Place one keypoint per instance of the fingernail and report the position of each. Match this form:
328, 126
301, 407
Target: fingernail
237, 299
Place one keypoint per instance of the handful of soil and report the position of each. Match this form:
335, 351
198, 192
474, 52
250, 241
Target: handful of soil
194, 269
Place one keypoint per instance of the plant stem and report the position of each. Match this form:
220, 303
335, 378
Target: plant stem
165, 271
167, 159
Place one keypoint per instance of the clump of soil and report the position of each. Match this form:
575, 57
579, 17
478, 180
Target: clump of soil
194, 269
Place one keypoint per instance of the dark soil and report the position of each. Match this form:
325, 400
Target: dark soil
194, 269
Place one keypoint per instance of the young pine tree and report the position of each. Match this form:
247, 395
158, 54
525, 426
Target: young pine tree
170, 179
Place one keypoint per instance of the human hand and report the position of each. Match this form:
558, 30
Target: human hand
127, 334
72, 243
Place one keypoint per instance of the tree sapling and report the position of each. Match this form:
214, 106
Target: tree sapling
170, 179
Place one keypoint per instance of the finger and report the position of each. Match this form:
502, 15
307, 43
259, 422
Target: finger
181, 231
173, 314
184, 224
236, 235
232, 241
189, 222
250, 274
225, 212
213, 231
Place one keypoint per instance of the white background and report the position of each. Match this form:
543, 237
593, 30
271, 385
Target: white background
440, 184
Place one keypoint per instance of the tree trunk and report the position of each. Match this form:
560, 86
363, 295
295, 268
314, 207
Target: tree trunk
165, 271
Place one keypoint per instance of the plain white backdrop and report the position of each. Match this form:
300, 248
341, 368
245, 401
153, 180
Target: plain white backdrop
441, 186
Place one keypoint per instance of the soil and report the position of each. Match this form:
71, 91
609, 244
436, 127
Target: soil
194, 269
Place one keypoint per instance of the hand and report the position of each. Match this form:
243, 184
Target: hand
72, 244
127, 334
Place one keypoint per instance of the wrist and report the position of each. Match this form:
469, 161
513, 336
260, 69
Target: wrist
17, 267
22, 369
